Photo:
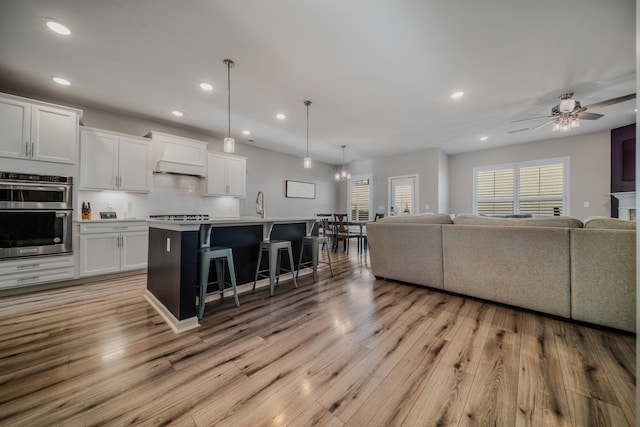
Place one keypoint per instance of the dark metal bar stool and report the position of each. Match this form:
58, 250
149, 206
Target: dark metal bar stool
273, 247
315, 240
219, 255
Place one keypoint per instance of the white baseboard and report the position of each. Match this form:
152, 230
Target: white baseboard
176, 325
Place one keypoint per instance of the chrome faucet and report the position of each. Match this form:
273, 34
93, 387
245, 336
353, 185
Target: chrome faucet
260, 204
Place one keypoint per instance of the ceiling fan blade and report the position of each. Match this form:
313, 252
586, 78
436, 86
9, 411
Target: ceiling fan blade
589, 116
541, 125
610, 101
530, 118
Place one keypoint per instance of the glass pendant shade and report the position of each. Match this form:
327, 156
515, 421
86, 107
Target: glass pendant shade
229, 145
307, 160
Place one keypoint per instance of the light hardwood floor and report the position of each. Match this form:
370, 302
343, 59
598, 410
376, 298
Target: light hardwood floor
347, 351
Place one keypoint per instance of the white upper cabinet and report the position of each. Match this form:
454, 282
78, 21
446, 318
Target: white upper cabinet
112, 161
35, 131
226, 175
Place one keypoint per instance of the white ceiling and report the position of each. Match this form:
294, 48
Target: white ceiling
378, 72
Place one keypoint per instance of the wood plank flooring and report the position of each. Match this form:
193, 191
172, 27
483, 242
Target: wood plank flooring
344, 351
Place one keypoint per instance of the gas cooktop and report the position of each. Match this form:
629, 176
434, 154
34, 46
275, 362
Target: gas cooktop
195, 217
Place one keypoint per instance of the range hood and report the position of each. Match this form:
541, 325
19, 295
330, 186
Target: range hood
178, 155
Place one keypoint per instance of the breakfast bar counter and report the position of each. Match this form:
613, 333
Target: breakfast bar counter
173, 257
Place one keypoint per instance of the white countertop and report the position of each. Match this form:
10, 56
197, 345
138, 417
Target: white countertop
96, 220
213, 222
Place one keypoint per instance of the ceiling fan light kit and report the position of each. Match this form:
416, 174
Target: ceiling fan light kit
567, 114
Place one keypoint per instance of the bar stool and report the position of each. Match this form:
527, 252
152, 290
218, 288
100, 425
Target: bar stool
218, 254
273, 247
315, 240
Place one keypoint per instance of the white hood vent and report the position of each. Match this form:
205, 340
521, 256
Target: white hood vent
178, 155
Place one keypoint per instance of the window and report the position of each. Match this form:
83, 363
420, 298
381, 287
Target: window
402, 194
360, 198
538, 188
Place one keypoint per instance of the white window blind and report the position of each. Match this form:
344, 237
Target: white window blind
360, 199
541, 190
495, 192
402, 198
536, 188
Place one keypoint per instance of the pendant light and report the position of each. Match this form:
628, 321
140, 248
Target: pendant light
229, 143
343, 175
307, 160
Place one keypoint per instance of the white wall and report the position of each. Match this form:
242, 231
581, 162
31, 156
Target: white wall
430, 165
267, 171
589, 167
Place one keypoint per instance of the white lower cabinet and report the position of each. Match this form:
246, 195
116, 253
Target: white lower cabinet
113, 247
35, 270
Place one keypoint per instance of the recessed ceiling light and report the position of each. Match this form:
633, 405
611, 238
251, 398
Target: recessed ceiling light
206, 86
484, 138
246, 132
280, 116
177, 113
57, 26
61, 81
457, 95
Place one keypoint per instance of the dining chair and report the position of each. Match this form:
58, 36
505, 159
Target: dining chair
342, 232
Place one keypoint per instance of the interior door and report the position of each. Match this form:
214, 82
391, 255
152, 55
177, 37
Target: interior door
403, 199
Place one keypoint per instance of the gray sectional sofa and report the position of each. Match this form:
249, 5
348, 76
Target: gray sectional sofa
559, 265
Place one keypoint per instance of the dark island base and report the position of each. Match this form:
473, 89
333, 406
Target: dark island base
172, 274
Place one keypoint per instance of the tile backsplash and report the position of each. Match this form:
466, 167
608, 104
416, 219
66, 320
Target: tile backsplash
171, 195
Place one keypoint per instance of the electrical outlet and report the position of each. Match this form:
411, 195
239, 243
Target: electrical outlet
587, 204
426, 207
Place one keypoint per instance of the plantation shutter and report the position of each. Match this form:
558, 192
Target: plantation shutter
536, 188
495, 192
360, 190
402, 199
541, 190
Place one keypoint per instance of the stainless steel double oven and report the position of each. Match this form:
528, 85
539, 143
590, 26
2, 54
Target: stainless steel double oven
36, 213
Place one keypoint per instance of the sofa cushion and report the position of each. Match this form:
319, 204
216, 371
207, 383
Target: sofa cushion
609, 223
521, 266
418, 219
468, 219
550, 221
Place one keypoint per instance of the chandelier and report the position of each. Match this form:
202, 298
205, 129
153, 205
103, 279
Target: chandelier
343, 175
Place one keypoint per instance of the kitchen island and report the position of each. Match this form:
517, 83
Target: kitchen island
173, 257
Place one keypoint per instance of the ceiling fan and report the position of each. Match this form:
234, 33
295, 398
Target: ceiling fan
567, 114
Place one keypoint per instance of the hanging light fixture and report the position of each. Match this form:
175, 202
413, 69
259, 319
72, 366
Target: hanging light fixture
229, 143
307, 160
343, 175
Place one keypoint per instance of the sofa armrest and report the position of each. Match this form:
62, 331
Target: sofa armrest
603, 277
406, 252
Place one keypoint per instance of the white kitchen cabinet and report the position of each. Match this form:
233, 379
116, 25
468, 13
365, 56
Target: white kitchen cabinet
38, 131
226, 175
113, 161
18, 272
113, 247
